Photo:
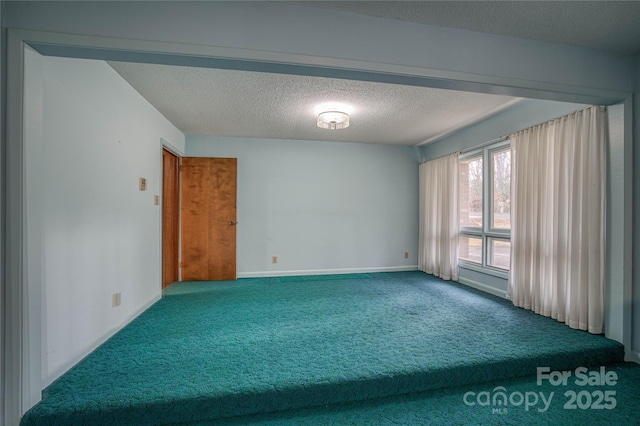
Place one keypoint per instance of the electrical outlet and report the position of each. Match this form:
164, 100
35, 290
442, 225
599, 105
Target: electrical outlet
406, 254
116, 299
274, 259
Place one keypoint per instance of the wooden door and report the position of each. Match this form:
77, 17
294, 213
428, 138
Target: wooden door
208, 191
170, 217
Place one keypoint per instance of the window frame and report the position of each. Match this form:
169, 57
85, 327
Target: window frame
487, 230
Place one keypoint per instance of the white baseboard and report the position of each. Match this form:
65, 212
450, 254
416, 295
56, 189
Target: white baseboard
483, 287
261, 274
66, 366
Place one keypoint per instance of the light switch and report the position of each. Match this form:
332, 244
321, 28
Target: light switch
116, 299
143, 184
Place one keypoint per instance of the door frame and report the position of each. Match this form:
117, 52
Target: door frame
166, 147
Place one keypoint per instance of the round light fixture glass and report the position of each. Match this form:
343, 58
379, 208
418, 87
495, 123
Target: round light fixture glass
333, 120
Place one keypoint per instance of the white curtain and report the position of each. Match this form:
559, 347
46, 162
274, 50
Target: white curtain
558, 190
438, 244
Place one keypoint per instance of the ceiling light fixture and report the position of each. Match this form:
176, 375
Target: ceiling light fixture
333, 120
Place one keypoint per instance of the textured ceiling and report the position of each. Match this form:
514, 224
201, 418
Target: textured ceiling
202, 101
612, 26
251, 104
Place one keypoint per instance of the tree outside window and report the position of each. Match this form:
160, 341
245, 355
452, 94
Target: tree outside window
485, 207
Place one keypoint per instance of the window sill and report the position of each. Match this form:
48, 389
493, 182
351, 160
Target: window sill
484, 270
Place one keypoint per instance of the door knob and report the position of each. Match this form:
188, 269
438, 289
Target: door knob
233, 222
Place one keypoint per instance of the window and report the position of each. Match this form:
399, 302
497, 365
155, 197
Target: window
501, 191
485, 208
498, 252
470, 192
470, 248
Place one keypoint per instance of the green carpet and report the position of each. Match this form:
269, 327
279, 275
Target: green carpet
211, 350
447, 406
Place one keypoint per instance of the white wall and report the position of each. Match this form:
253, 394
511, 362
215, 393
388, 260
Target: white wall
526, 113
614, 288
90, 231
321, 207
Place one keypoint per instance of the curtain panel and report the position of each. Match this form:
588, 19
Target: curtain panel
558, 193
438, 243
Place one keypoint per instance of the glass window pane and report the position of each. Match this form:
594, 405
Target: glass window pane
471, 192
501, 207
470, 248
499, 253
